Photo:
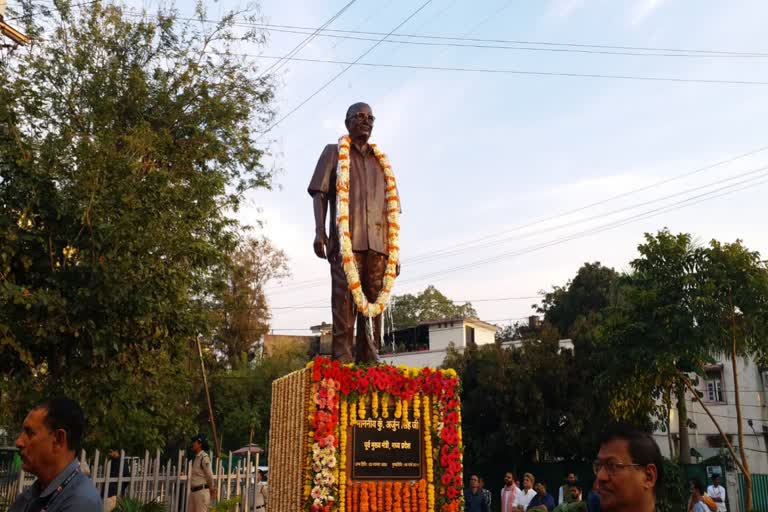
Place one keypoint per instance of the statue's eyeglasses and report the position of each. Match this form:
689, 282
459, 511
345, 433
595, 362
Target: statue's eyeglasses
362, 116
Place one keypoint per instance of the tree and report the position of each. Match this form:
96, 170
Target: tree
588, 293
242, 396
124, 142
244, 308
409, 310
534, 403
654, 326
733, 305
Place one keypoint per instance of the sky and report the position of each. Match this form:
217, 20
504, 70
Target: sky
506, 180
511, 180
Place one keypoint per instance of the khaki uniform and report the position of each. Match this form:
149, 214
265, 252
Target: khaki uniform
201, 475
260, 499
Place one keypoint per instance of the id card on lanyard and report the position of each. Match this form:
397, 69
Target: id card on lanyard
57, 493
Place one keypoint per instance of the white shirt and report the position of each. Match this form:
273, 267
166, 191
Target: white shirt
717, 492
510, 498
525, 497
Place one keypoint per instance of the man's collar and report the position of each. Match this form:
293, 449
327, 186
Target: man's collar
56, 482
366, 148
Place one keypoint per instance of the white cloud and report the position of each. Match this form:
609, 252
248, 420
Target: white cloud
643, 10
564, 8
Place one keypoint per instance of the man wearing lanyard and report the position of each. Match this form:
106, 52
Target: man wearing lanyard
201, 478
48, 443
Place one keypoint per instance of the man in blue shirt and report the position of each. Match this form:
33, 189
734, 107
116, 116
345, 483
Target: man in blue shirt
543, 501
474, 500
48, 443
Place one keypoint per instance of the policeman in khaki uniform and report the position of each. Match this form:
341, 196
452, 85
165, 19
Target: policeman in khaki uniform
201, 477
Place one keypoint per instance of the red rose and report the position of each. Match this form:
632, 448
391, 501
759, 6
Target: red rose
446, 479
451, 492
455, 466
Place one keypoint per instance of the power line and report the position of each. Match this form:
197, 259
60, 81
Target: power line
500, 299
752, 182
497, 71
323, 31
604, 201
454, 252
281, 62
337, 75
518, 41
376, 12
690, 201
496, 46
423, 256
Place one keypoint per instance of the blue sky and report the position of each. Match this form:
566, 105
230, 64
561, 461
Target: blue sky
480, 154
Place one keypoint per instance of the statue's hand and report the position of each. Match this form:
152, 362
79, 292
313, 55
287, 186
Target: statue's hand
397, 270
321, 241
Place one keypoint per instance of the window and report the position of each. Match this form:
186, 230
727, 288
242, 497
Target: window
470, 336
713, 382
716, 441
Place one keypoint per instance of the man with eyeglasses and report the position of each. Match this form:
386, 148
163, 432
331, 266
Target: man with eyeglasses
368, 230
628, 470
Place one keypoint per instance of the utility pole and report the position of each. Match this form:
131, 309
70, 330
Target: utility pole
7, 30
208, 398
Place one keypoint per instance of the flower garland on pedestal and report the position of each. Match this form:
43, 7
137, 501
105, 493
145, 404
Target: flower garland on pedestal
339, 396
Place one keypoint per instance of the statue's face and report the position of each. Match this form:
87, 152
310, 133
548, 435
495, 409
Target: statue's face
360, 122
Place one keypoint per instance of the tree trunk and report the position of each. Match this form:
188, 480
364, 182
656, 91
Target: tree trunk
682, 427
739, 420
669, 431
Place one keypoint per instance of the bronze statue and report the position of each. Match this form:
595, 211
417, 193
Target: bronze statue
368, 229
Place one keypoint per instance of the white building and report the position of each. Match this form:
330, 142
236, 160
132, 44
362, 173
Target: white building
716, 385
429, 341
564, 344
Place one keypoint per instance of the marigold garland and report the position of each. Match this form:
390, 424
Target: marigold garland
345, 238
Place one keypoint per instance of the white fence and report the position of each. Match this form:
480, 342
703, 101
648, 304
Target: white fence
150, 480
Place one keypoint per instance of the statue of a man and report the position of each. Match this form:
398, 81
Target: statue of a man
368, 230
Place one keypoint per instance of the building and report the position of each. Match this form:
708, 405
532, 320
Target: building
564, 344
716, 388
427, 343
276, 343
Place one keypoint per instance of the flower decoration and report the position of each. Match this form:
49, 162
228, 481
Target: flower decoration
342, 394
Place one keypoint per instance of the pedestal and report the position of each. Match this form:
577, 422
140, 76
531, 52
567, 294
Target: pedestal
365, 439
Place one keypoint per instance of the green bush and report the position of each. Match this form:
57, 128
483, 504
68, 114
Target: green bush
226, 505
134, 505
673, 494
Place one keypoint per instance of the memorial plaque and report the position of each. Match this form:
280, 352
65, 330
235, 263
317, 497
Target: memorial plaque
387, 449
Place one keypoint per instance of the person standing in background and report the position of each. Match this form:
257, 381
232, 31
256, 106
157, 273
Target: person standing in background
201, 477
